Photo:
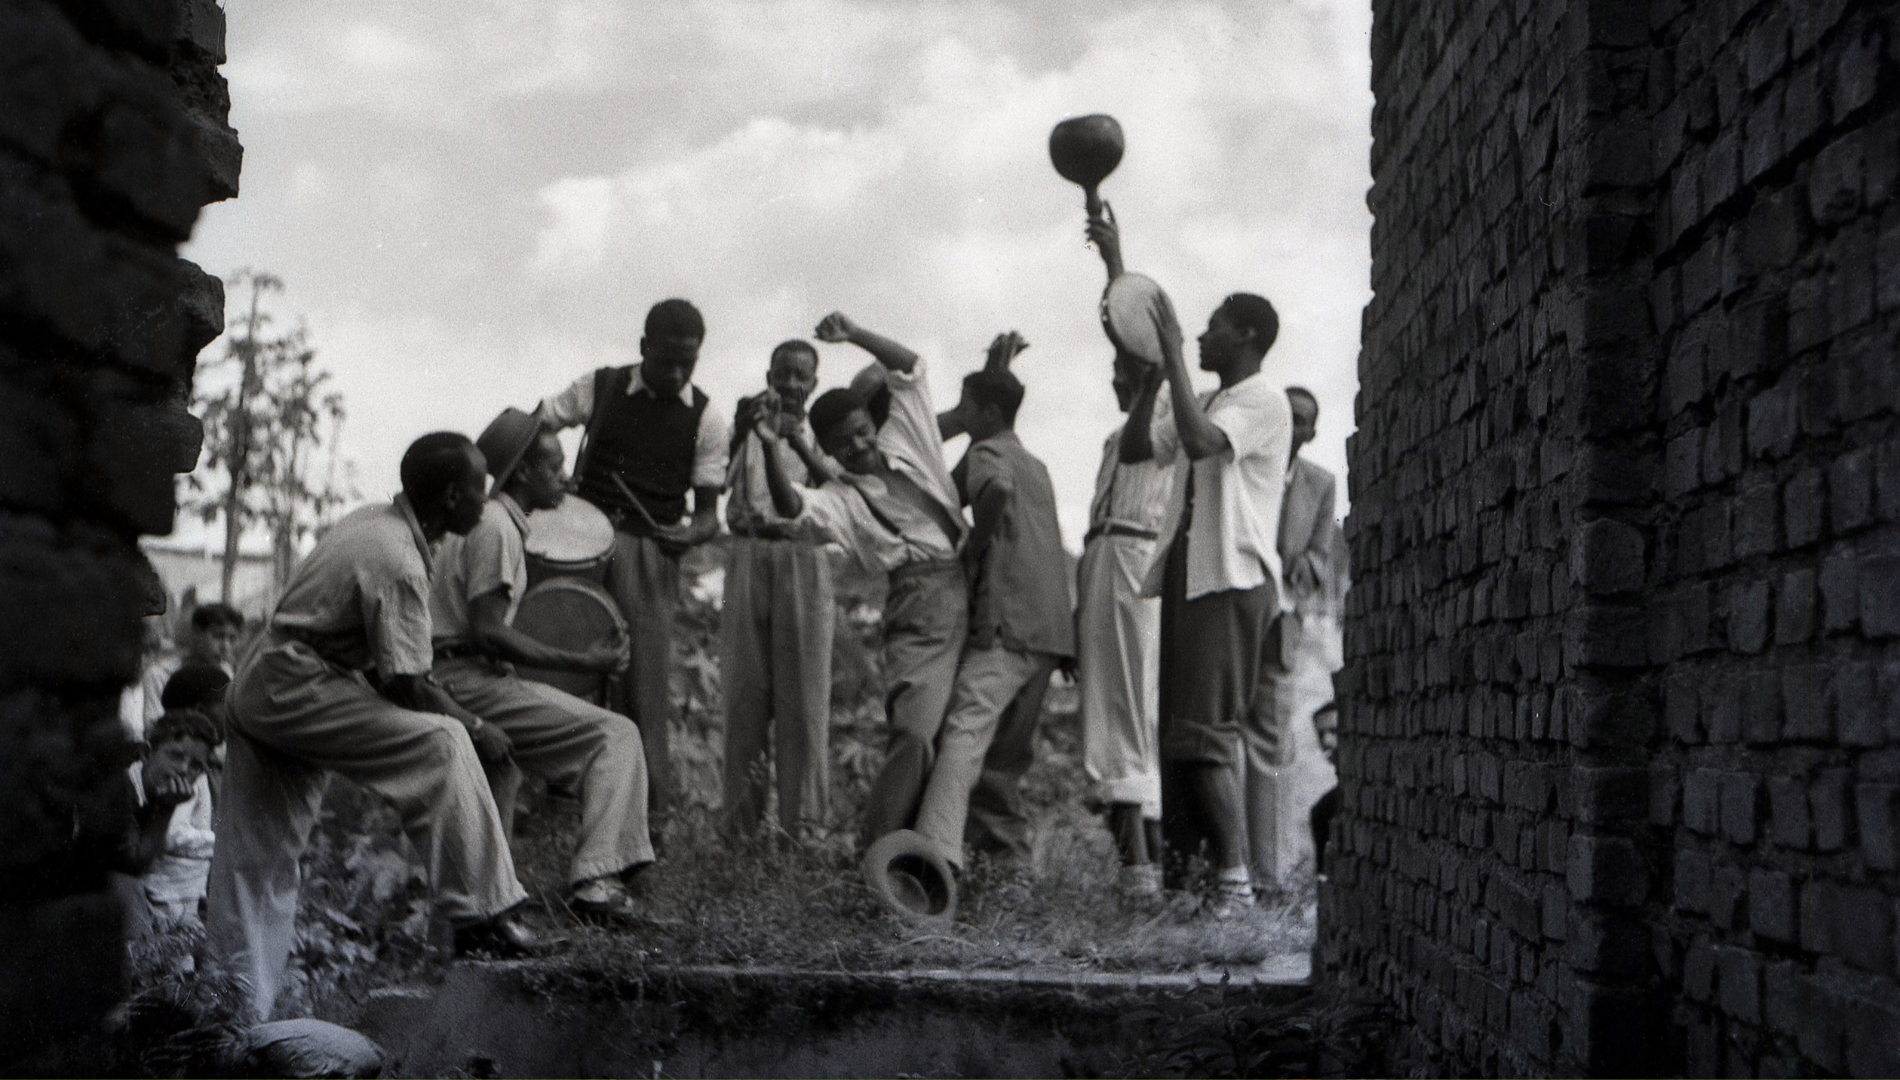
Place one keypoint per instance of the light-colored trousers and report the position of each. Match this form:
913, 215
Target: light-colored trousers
926, 619
1118, 667
1285, 773
645, 580
294, 717
775, 667
989, 682
570, 742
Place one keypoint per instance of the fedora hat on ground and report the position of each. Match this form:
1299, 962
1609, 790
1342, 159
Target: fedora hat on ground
505, 440
905, 871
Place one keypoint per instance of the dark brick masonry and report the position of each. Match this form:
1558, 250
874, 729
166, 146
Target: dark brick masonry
1620, 741
112, 135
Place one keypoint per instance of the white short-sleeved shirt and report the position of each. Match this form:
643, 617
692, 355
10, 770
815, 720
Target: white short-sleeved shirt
364, 592
1233, 535
493, 557
573, 407
911, 442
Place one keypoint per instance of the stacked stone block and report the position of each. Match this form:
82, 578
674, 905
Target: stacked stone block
1620, 752
112, 136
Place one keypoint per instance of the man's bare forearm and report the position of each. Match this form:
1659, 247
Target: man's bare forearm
785, 497
1137, 438
1200, 438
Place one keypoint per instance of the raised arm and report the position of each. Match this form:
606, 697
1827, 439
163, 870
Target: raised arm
1004, 348
838, 326
1107, 238
1137, 442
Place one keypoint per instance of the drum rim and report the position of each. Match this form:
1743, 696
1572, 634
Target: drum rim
581, 585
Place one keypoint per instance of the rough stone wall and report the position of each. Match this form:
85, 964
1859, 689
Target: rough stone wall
112, 135
1620, 749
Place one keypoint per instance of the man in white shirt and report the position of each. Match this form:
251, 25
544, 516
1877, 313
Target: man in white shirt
1219, 571
651, 441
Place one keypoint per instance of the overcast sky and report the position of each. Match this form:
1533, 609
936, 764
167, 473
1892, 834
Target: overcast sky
472, 203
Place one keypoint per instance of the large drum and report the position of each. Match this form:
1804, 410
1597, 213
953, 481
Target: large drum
570, 613
566, 604
572, 540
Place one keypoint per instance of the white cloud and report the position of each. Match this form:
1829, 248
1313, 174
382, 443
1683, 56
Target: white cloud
475, 202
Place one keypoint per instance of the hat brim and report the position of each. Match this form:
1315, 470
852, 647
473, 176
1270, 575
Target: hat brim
905, 870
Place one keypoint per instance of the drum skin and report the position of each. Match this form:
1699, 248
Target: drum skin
573, 539
569, 612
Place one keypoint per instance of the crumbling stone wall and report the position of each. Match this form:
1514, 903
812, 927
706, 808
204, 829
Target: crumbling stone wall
1620, 742
112, 136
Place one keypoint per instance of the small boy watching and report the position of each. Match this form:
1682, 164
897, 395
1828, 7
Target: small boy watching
896, 510
1022, 627
175, 881
139, 826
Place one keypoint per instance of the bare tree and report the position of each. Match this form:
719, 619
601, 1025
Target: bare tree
262, 434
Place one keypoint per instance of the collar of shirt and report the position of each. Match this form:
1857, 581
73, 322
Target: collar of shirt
515, 513
639, 382
408, 512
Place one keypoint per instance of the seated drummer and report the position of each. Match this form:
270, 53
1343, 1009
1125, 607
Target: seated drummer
478, 584
650, 440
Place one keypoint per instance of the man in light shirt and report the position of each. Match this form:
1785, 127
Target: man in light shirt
1218, 573
651, 442
895, 509
478, 585
776, 627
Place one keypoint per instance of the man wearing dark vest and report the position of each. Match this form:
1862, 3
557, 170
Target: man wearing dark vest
650, 440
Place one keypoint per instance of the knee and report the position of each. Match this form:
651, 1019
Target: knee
448, 743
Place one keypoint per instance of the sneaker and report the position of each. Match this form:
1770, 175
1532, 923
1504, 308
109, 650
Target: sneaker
1233, 894
1139, 882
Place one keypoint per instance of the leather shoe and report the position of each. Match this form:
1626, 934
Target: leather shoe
504, 937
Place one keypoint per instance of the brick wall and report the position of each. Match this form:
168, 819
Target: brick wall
112, 136
1620, 748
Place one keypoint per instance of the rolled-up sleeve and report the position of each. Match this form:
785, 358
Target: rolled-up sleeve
571, 407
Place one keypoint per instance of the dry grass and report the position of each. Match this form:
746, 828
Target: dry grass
761, 900
758, 900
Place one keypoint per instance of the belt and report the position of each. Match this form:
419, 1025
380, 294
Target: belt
1116, 528
459, 650
927, 566
770, 530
